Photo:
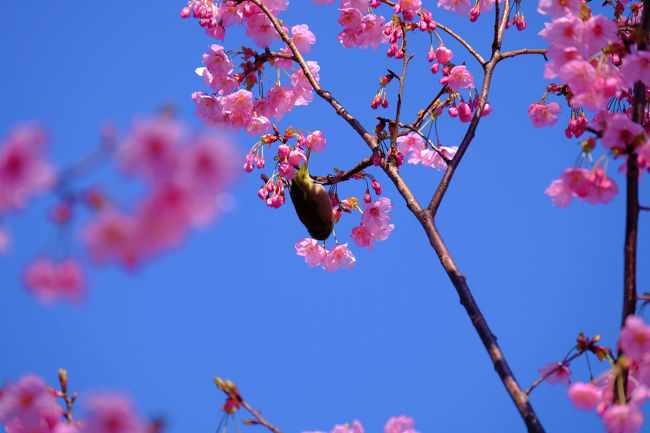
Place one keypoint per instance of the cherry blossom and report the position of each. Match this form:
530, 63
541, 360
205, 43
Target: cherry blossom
458, 77
623, 418
24, 172
302, 38
621, 132
562, 196
112, 414
560, 373
311, 250
400, 424
49, 281
339, 256
28, 406
634, 339
544, 114
585, 395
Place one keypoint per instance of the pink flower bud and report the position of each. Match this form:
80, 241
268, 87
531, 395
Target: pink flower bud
431, 55
465, 112
185, 12
487, 109
453, 111
384, 102
474, 13
283, 151
435, 68
366, 197
376, 186
444, 54
399, 54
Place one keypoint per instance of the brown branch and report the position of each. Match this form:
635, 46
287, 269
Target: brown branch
632, 178
426, 217
451, 33
353, 122
644, 207
331, 180
514, 53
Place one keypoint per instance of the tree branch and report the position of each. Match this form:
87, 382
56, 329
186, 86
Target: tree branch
332, 180
632, 178
514, 53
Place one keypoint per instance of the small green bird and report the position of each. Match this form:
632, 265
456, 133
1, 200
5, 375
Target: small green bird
312, 203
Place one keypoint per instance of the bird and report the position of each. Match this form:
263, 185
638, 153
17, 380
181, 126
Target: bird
312, 203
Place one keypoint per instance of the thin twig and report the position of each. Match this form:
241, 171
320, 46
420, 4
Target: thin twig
514, 53
430, 108
331, 180
402, 78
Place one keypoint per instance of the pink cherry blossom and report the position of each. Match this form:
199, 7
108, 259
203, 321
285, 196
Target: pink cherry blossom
322, 2
208, 166
459, 77
444, 54
28, 406
151, 148
303, 38
260, 28
112, 236
229, 13
585, 395
636, 67
362, 5
560, 373
281, 100
363, 237
49, 281
431, 158
351, 18
411, 145
408, 7
461, 7
24, 172
300, 84
375, 215
544, 114
112, 414
311, 250
623, 418
598, 32
621, 132
217, 61
400, 424
339, 256
604, 188
580, 181
465, 112
634, 339
316, 141
564, 32
558, 8
562, 196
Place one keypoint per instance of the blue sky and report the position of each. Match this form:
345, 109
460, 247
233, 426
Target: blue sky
311, 349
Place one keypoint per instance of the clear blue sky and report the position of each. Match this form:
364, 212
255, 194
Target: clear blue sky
311, 349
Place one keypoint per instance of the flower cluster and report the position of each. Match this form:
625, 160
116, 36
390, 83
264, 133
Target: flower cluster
360, 27
588, 185
187, 181
621, 414
413, 147
48, 280
30, 406
24, 171
375, 223
331, 260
